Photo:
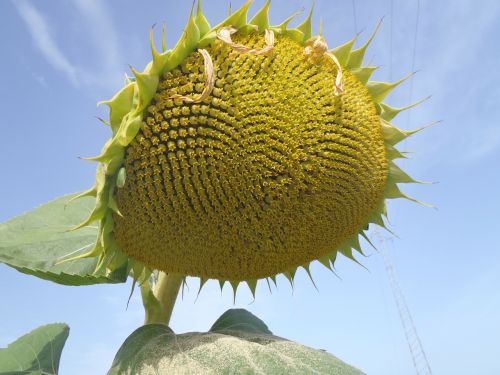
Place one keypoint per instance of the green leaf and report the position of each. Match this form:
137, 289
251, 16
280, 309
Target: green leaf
240, 320
37, 352
138, 348
34, 242
238, 343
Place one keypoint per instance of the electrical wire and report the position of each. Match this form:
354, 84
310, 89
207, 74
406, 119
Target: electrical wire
413, 60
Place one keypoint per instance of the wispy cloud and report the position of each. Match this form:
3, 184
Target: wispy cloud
44, 41
100, 27
99, 31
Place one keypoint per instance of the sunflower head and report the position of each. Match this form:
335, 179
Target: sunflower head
246, 151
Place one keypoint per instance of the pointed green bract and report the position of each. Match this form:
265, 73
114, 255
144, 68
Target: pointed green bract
261, 18
238, 19
282, 27
201, 21
290, 275
393, 153
187, 44
163, 39
202, 283
293, 34
252, 285
308, 271
379, 90
399, 175
388, 113
326, 262
394, 135
221, 284
120, 105
356, 57
392, 191
306, 26
343, 51
146, 83
155, 67
363, 74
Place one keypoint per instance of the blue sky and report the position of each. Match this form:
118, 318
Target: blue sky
60, 58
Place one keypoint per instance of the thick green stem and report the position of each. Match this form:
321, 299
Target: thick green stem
159, 302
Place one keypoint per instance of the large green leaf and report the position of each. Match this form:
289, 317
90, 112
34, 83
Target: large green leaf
37, 352
238, 343
34, 242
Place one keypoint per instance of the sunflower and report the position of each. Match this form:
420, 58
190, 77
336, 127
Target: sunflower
246, 151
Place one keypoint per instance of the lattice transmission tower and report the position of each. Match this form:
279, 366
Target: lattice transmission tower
420, 362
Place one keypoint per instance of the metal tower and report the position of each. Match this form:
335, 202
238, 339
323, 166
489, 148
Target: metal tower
420, 362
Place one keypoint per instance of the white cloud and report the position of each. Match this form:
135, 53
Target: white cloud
39, 30
99, 25
99, 30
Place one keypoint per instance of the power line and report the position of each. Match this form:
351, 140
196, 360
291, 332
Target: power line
354, 16
391, 30
413, 59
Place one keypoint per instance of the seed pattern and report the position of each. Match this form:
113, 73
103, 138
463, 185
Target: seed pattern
269, 172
